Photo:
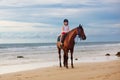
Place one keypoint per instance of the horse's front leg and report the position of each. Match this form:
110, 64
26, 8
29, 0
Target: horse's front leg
65, 58
59, 52
71, 51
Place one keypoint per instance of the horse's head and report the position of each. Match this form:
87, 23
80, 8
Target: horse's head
80, 32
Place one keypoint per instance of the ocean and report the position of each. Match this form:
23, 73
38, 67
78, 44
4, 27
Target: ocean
37, 55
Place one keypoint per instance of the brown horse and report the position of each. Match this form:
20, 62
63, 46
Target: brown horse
69, 43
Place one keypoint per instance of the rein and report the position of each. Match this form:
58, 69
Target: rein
78, 35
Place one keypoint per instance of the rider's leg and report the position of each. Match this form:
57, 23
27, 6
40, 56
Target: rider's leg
61, 39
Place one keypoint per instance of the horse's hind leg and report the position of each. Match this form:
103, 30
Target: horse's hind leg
59, 52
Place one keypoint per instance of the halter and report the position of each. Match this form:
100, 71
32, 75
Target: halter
79, 35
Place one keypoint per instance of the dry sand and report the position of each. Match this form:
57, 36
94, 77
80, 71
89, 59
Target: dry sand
82, 71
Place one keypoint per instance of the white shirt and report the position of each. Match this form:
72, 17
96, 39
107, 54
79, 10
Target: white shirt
65, 29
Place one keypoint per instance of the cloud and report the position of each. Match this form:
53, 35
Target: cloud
56, 12
33, 18
26, 3
105, 25
24, 26
104, 29
25, 35
20, 24
60, 9
110, 1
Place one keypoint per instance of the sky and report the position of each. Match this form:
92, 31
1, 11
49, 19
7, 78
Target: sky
40, 21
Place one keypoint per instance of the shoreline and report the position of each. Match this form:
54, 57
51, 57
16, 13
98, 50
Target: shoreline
86, 71
42, 63
8, 69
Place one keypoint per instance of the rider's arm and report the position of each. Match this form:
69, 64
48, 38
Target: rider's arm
62, 29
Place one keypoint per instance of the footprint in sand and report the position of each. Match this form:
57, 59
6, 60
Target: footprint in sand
18, 75
19, 79
28, 77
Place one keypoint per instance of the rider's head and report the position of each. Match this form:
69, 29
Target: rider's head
65, 22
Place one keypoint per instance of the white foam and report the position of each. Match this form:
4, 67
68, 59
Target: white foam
97, 59
24, 67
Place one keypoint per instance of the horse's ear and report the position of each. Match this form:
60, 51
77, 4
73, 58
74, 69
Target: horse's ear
80, 25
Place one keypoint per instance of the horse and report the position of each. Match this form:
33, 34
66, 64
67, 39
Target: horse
69, 44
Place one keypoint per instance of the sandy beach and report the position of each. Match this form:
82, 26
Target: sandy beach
30, 31
83, 71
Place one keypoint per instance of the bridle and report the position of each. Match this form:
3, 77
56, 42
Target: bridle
79, 35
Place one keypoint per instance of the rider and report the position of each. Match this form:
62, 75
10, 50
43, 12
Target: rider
65, 30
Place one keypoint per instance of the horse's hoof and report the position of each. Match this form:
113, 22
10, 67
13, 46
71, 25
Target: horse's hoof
72, 66
60, 65
67, 67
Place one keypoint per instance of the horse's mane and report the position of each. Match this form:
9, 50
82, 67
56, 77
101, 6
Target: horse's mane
72, 30
79, 27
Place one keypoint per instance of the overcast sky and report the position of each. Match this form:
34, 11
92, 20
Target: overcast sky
41, 20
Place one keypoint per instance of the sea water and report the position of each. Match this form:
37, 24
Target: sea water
37, 55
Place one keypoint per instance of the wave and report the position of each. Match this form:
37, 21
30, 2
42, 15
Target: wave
40, 46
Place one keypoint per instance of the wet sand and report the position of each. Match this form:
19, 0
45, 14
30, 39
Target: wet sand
83, 71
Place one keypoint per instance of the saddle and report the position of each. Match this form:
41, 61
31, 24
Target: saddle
63, 38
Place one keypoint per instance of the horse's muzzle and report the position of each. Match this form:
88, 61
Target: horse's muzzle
84, 37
